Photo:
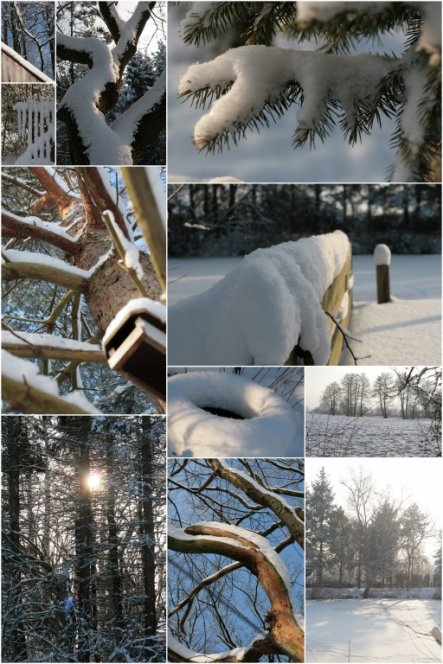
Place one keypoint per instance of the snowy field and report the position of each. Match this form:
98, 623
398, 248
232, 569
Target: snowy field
372, 630
394, 333
338, 435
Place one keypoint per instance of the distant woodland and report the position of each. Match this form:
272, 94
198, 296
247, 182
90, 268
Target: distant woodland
234, 219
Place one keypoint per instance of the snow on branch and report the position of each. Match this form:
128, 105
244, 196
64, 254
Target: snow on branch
87, 100
22, 227
260, 645
255, 552
250, 83
48, 346
26, 390
263, 496
31, 265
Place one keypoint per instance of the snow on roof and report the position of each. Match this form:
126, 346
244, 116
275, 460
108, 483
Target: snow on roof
156, 309
25, 64
261, 309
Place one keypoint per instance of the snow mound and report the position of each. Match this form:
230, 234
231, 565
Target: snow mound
382, 254
263, 308
268, 428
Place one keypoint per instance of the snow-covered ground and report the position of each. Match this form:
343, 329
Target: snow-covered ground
372, 630
397, 333
338, 435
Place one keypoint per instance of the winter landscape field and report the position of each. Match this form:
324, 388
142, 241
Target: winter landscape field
339, 435
373, 630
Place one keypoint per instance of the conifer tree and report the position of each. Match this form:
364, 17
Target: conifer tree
252, 83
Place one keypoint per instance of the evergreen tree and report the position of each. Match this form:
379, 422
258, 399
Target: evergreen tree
254, 82
321, 512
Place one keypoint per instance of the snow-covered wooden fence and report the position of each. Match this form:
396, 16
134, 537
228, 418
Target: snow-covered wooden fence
35, 125
15, 69
281, 305
337, 302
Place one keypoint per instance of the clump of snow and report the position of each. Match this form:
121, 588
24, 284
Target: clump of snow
263, 308
132, 256
382, 254
258, 74
269, 426
155, 309
28, 373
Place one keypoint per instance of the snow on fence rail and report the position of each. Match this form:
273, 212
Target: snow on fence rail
35, 124
15, 69
270, 310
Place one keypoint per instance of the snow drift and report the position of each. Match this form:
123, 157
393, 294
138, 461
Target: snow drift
268, 428
263, 308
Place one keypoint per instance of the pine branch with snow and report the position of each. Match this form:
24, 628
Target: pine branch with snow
255, 83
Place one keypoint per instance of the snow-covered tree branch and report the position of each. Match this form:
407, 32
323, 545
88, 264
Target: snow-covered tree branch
254, 82
252, 533
56, 268
95, 94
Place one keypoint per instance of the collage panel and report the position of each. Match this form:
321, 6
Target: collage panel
304, 274
84, 539
373, 411
304, 91
236, 561
235, 411
28, 42
373, 560
84, 319
111, 83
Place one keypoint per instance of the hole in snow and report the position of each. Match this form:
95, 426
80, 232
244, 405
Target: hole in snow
222, 412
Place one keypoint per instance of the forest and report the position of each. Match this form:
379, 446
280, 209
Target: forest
83, 532
235, 564
377, 541
235, 219
60, 255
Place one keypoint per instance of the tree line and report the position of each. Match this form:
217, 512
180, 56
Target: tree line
83, 533
408, 392
234, 219
376, 542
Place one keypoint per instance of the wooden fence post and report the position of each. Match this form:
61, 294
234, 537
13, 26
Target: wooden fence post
382, 259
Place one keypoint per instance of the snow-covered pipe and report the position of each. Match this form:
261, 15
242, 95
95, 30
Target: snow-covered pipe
226, 415
382, 259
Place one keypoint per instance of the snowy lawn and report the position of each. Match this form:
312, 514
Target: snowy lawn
372, 630
338, 435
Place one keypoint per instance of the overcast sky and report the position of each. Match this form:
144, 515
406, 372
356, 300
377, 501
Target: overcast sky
317, 378
268, 156
411, 480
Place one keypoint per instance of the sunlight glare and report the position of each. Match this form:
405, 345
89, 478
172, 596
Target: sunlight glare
93, 481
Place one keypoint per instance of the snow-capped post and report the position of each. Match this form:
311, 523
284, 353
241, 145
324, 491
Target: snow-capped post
135, 345
382, 258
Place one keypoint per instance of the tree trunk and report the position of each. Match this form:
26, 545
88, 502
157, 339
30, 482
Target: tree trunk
13, 435
147, 532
